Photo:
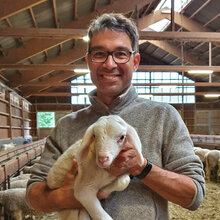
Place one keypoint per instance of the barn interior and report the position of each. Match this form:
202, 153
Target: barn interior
44, 76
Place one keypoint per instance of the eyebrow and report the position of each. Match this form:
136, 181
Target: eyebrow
102, 48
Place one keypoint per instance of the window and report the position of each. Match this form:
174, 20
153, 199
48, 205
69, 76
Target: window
160, 93
46, 119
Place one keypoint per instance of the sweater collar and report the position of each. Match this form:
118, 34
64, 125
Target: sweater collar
117, 105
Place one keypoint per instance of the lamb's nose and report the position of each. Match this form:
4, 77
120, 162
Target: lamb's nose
103, 159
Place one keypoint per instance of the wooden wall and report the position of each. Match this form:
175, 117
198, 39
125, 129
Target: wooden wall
15, 116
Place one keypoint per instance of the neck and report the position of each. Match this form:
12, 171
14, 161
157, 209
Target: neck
107, 100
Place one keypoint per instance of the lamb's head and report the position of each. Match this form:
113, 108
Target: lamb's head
108, 136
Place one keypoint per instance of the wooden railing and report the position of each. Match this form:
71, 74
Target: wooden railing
206, 141
12, 161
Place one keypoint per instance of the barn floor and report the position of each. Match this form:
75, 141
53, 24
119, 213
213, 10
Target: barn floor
209, 209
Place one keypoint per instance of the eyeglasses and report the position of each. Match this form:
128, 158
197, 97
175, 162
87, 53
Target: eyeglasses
119, 56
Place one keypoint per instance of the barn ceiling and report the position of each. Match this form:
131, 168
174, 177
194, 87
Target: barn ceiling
41, 40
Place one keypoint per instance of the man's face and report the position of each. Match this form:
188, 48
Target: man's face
111, 78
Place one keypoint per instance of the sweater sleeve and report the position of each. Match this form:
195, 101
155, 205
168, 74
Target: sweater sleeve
52, 151
179, 156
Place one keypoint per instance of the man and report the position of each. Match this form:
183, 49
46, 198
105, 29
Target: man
171, 171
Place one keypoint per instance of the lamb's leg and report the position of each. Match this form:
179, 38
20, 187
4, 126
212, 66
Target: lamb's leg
91, 204
83, 215
118, 185
69, 214
208, 172
17, 215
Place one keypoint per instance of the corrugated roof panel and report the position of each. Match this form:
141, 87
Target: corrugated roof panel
44, 15
53, 52
7, 42
85, 7
22, 20
67, 45
65, 11
215, 25
39, 58
193, 7
102, 3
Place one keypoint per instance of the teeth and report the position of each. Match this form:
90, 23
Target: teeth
108, 77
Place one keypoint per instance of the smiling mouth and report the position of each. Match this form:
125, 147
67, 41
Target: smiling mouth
109, 77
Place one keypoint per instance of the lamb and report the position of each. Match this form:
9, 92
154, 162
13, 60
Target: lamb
99, 146
15, 204
218, 173
27, 169
201, 153
20, 177
212, 159
5, 147
35, 160
19, 184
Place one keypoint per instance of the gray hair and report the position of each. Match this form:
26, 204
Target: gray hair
115, 22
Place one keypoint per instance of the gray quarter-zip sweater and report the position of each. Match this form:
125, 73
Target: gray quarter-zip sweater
165, 142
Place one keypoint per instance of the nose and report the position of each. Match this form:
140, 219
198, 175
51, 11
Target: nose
103, 159
110, 63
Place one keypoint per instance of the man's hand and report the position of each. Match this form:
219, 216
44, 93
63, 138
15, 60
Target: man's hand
127, 162
70, 176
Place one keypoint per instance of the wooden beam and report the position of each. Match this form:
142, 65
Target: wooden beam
55, 14
65, 58
65, 33
68, 84
175, 51
75, 9
95, 5
11, 7
64, 75
51, 33
35, 46
33, 18
181, 36
68, 94
167, 68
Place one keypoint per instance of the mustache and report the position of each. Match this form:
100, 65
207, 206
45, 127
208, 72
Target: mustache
112, 70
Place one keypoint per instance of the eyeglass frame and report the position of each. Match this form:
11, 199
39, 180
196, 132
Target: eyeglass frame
111, 53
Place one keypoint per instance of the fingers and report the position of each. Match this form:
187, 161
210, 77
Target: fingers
74, 168
70, 176
102, 195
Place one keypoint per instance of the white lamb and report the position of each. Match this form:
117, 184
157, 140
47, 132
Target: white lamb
218, 173
27, 169
22, 176
100, 145
5, 147
212, 159
14, 203
201, 153
18, 184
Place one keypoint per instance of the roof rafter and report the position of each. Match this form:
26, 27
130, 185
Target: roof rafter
11, 7
35, 46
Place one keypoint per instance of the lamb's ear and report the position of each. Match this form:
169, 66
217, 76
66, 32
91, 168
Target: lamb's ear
86, 141
134, 140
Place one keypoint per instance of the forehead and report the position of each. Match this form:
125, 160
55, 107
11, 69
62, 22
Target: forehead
108, 39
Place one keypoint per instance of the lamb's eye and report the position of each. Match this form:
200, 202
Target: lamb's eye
93, 135
122, 137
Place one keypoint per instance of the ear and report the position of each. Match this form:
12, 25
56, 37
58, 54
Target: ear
134, 140
86, 142
136, 61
